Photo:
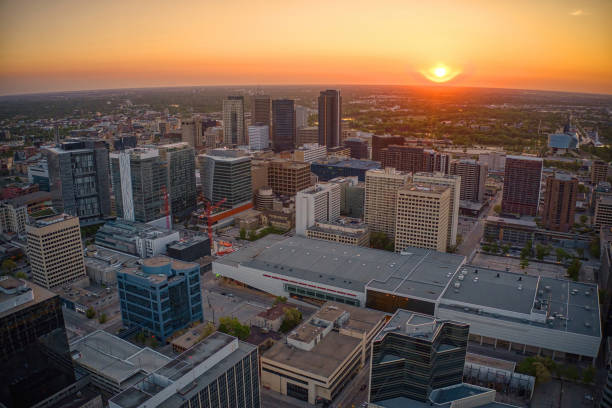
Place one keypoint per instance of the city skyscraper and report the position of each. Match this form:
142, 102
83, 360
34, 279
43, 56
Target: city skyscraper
381, 199
79, 179
179, 159
34, 352
522, 178
414, 355
262, 108
330, 118
259, 137
234, 132
454, 182
283, 125
139, 180
422, 220
173, 288
560, 202
191, 131
55, 250
473, 179
380, 142
320, 202
226, 174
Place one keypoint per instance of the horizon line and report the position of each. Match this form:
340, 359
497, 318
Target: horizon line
442, 85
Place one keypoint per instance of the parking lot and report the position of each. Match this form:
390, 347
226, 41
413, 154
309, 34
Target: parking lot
513, 264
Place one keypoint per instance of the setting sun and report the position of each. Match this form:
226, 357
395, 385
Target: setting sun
440, 72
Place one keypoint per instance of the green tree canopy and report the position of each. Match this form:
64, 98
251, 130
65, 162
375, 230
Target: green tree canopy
231, 326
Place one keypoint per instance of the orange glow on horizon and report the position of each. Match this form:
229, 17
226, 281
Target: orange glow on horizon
70, 44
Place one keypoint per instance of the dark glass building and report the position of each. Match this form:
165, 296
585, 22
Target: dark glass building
358, 147
226, 174
161, 296
332, 168
283, 125
181, 167
79, 179
330, 118
416, 354
35, 359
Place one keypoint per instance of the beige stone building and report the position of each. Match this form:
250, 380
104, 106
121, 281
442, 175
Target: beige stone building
55, 250
603, 212
380, 198
322, 353
454, 183
346, 231
422, 217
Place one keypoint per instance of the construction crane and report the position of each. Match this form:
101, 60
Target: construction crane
166, 206
209, 207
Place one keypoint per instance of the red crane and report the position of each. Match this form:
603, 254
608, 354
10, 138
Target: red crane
209, 207
166, 206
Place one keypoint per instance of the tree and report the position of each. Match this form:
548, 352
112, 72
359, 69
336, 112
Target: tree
90, 313
8, 266
209, 329
494, 247
102, 318
21, 275
252, 235
242, 233
538, 367
580, 252
497, 209
524, 263
231, 326
562, 255
280, 299
505, 249
573, 270
571, 372
588, 375
292, 318
459, 239
540, 251
583, 219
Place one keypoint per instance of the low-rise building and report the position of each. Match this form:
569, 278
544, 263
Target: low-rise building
220, 371
191, 337
272, 318
101, 264
135, 238
322, 353
310, 152
189, 250
513, 231
349, 231
113, 364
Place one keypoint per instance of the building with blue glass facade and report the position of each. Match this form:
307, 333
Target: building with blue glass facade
332, 168
161, 296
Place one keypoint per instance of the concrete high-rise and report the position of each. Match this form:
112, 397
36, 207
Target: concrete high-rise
380, 142
422, 217
301, 116
283, 125
330, 118
262, 109
473, 179
140, 177
179, 159
454, 182
79, 179
413, 159
320, 202
259, 137
55, 250
560, 202
226, 174
381, 188
234, 132
599, 171
522, 178
191, 131
359, 147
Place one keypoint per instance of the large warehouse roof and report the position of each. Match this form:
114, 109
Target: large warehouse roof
416, 272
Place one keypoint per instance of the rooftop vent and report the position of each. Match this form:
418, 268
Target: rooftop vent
457, 285
520, 287
498, 274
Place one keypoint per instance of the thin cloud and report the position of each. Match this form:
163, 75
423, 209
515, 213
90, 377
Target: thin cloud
579, 13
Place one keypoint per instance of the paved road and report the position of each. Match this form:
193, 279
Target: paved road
271, 399
473, 238
351, 396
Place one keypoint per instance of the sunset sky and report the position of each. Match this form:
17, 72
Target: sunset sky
51, 45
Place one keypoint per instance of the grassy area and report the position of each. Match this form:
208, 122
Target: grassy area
42, 213
254, 236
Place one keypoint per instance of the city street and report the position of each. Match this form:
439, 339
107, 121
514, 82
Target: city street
352, 395
472, 240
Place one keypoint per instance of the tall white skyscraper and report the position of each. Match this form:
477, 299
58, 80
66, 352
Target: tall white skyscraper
259, 137
320, 202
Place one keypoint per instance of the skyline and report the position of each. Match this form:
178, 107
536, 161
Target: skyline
67, 45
